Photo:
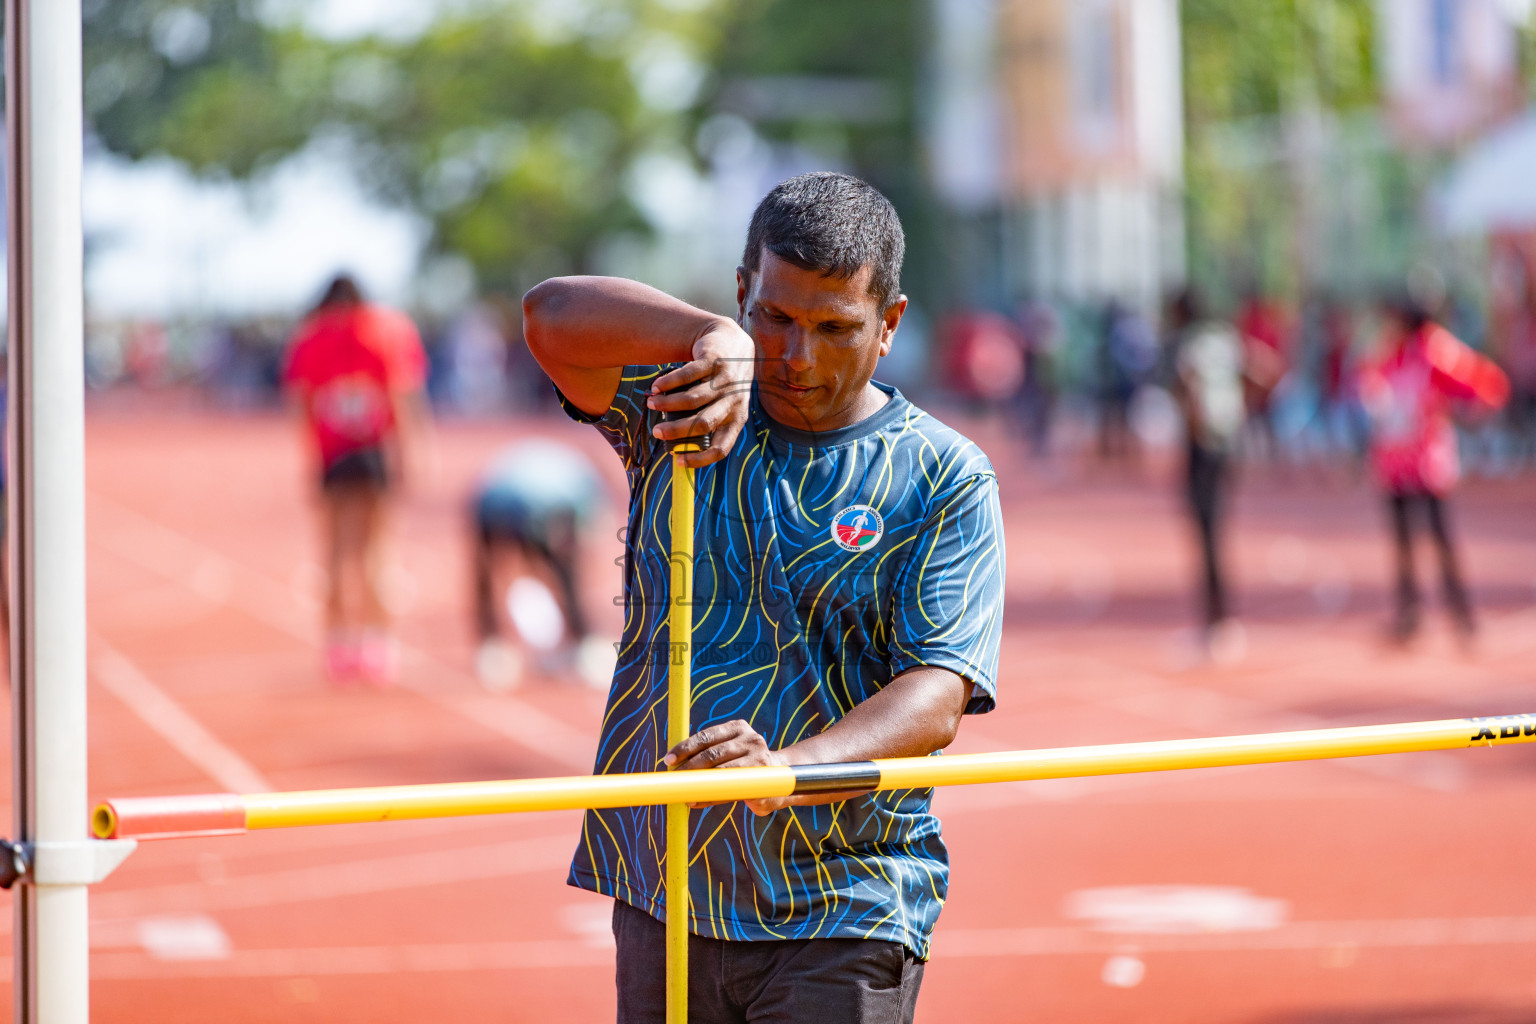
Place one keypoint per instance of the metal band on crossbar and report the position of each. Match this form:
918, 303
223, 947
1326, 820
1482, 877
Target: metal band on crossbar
174, 816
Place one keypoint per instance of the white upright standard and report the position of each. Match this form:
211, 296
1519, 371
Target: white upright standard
46, 506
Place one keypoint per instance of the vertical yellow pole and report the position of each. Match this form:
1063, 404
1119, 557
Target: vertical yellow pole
679, 699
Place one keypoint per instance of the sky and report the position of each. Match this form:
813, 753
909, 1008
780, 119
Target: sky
163, 244
348, 19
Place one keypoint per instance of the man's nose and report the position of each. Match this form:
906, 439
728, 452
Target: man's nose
799, 355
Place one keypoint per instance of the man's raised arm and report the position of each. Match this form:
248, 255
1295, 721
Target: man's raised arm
585, 330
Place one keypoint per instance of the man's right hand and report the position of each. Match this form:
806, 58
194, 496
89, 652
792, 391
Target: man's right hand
715, 386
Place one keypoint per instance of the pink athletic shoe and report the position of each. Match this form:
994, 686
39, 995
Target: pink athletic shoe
378, 660
342, 663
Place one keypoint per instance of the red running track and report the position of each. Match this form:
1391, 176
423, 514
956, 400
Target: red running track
1394, 889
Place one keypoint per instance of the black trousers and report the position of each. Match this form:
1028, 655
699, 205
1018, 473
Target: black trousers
790, 981
555, 544
1206, 481
1402, 508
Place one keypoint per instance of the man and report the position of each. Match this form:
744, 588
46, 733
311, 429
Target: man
848, 605
1208, 380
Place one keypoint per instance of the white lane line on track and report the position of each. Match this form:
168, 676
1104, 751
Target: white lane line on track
172, 723
156, 546
351, 878
114, 910
534, 730
977, 942
1382, 934
541, 954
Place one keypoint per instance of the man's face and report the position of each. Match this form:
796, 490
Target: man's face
818, 340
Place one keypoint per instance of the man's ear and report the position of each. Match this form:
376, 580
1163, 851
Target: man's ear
891, 320
743, 286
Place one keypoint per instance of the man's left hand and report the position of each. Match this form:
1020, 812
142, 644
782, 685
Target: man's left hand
733, 744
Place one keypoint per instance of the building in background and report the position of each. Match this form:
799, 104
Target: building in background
1056, 137
1449, 68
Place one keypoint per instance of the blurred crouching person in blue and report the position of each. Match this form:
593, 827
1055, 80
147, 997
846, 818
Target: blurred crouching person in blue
531, 510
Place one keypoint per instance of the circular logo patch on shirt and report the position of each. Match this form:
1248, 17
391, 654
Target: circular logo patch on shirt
857, 528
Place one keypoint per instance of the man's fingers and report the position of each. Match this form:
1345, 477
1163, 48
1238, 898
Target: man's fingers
716, 745
723, 420
767, 806
720, 755
692, 426
706, 421
701, 740
707, 457
708, 377
721, 376
720, 445
724, 429
717, 391
684, 399
725, 436
708, 393
688, 373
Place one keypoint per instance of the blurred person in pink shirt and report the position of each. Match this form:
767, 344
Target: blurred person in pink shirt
356, 371
1410, 389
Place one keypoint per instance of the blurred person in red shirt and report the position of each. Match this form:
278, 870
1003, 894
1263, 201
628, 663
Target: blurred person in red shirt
356, 371
1266, 334
986, 357
1409, 390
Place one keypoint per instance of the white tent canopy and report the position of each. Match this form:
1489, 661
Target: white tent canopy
1493, 186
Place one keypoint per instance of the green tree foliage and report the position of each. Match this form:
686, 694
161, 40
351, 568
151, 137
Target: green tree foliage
176, 78
1250, 58
1254, 71
509, 126
873, 49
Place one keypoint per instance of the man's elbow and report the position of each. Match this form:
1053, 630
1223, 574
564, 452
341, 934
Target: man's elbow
947, 734
947, 722
542, 308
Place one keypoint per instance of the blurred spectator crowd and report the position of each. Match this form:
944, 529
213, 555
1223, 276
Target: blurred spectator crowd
1098, 378
1066, 378
478, 365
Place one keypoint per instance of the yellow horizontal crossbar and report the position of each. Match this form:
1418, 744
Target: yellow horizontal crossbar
157, 817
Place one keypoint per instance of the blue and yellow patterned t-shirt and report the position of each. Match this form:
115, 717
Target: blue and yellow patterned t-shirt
826, 565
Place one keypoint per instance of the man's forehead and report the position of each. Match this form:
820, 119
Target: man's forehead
781, 283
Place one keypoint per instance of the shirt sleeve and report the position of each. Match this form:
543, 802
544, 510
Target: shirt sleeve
1463, 373
406, 359
949, 611
627, 423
